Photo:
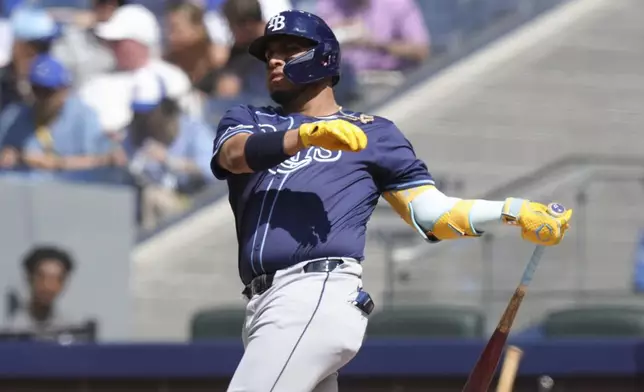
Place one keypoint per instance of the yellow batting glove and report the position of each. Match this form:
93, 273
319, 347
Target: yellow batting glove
333, 135
540, 224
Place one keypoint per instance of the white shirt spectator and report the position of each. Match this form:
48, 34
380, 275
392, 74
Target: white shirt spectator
111, 94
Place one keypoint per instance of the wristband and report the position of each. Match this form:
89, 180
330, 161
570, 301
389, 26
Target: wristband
265, 150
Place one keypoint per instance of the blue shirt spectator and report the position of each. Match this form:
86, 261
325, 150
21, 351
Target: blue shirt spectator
57, 133
173, 165
168, 152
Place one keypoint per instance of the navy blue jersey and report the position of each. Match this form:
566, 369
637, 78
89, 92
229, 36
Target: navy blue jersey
317, 203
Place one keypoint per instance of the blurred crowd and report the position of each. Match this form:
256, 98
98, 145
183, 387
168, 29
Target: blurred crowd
130, 92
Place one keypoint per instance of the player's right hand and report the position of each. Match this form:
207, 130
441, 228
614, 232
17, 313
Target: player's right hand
539, 224
333, 135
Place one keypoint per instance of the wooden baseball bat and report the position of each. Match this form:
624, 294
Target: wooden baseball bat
485, 368
509, 369
481, 376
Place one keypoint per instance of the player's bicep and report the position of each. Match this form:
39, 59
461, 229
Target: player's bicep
230, 156
228, 147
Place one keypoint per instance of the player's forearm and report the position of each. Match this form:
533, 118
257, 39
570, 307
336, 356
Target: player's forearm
435, 212
438, 216
245, 153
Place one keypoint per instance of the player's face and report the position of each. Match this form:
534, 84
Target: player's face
278, 52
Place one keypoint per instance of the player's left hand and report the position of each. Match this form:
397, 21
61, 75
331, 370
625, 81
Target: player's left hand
333, 135
540, 224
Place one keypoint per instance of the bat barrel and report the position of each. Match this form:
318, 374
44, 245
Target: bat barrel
481, 376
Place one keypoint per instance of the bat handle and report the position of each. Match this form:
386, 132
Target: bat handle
556, 210
528, 273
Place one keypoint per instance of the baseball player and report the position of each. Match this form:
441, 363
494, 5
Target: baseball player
304, 178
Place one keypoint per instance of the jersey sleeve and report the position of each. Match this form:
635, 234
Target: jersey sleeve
396, 166
235, 121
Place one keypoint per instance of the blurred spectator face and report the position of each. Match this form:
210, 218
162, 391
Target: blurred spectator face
48, 101
47, 281
245, 20
159, 123
245, 32
133, 35
155, 115
186, 27
129, 54
144, 124
22, 55
104, 9
278, 52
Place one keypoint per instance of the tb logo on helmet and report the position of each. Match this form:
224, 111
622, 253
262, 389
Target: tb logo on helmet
276, 23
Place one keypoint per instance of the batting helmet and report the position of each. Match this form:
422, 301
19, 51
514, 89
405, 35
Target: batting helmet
321, 61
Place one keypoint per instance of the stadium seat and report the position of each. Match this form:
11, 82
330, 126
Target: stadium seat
435, 321
595, 321
217, 323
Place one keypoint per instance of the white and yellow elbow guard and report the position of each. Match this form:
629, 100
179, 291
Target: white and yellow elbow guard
433, 214
454, 223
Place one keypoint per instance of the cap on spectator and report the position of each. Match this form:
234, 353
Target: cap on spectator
29, 23
149, 91
131, 21
48, 72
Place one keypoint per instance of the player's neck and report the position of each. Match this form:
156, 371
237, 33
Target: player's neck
323, 104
